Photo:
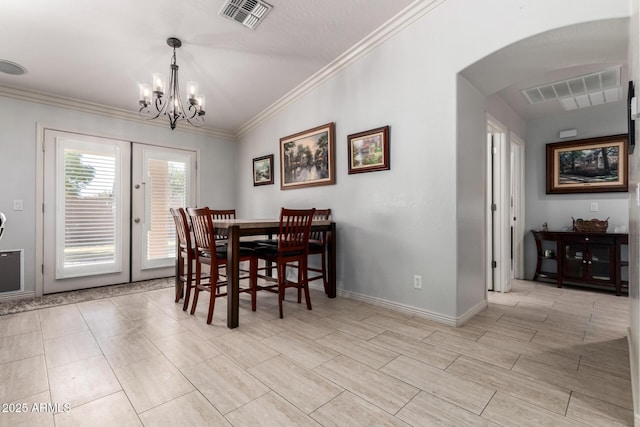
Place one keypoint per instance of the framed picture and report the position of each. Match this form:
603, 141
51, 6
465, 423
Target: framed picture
307, 159
263, 170
369, 150
596, 165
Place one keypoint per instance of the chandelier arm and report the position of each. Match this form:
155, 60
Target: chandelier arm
170, 104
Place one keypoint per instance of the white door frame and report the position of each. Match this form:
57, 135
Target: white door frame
517, 204
498, 219
39, 214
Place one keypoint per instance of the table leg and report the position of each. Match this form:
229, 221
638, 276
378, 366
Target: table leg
233, 273
331, 257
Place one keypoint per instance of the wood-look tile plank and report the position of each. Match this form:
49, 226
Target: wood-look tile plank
428, 410
539, 393
595, 412
302, 387
506, 410
445, 385
349, 410
375, 386
419, 350
614, 390
269, 410
192, 409
489, 354
224, 383
363, 351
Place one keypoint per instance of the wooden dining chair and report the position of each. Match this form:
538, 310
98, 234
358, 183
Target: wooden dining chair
222, 214
207, 253
292, 247
318, 246
185, 255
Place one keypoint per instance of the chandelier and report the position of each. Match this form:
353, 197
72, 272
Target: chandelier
158, 99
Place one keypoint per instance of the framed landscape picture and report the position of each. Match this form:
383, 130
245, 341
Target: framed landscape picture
369, 150
263, 170
307, 158
595, 165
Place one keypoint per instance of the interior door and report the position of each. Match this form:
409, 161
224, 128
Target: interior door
86, 211
162, 178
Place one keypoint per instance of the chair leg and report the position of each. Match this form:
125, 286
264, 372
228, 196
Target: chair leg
281, 282
197, 288
179, 283
324, 272
212, 303
253, 278
299, 281
305, 284
189, 286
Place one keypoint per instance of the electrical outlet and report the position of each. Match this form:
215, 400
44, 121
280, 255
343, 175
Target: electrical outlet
417, 282
17, 205
594, 207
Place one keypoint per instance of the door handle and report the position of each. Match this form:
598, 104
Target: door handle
137, 220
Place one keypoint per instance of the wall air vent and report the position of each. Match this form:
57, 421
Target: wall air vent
580, 92
249, 13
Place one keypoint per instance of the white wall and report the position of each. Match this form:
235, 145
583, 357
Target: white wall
406, 221
502, 112
18, 123
471, 197
557, 209
634, 220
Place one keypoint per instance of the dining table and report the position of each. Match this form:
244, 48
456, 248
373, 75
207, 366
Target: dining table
237, 228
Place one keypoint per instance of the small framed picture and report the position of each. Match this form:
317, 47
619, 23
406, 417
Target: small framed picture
263, 170
369, 150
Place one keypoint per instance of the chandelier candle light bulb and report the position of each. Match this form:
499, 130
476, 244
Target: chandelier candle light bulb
154, 103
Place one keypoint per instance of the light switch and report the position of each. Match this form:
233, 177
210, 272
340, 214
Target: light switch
17, 205
594, 207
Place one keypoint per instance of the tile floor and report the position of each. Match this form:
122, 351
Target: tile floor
536, 356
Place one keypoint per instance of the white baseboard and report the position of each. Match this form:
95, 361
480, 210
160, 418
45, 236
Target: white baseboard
635, 370
414, 311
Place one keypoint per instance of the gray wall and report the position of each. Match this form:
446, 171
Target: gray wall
413, 218
634, 219
18, 126
557, 209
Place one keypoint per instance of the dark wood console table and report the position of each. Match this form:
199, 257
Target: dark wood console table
591, 258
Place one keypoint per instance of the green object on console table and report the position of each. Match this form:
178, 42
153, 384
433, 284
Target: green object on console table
581, 258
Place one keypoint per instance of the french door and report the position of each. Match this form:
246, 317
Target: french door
106, 210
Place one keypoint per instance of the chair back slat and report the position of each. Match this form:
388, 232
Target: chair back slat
222, 233
182, 228
202, 226
295, 227
320, 214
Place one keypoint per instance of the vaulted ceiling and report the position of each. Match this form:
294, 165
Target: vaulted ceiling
99, 52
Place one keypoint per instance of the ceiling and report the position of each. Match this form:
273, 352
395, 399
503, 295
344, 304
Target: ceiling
546, 58
99, 52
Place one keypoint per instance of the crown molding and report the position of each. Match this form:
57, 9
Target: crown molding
103, 110
404, 18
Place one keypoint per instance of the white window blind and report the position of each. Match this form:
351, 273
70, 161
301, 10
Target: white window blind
88, 217
166, 186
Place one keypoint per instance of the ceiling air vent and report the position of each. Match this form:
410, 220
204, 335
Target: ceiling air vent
246, 12
581, 91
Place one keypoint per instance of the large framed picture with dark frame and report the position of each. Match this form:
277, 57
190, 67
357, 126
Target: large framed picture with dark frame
594, 165
307, 159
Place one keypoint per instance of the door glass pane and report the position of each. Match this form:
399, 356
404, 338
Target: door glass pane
600, 262
166, 186
574, 260
88, 199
